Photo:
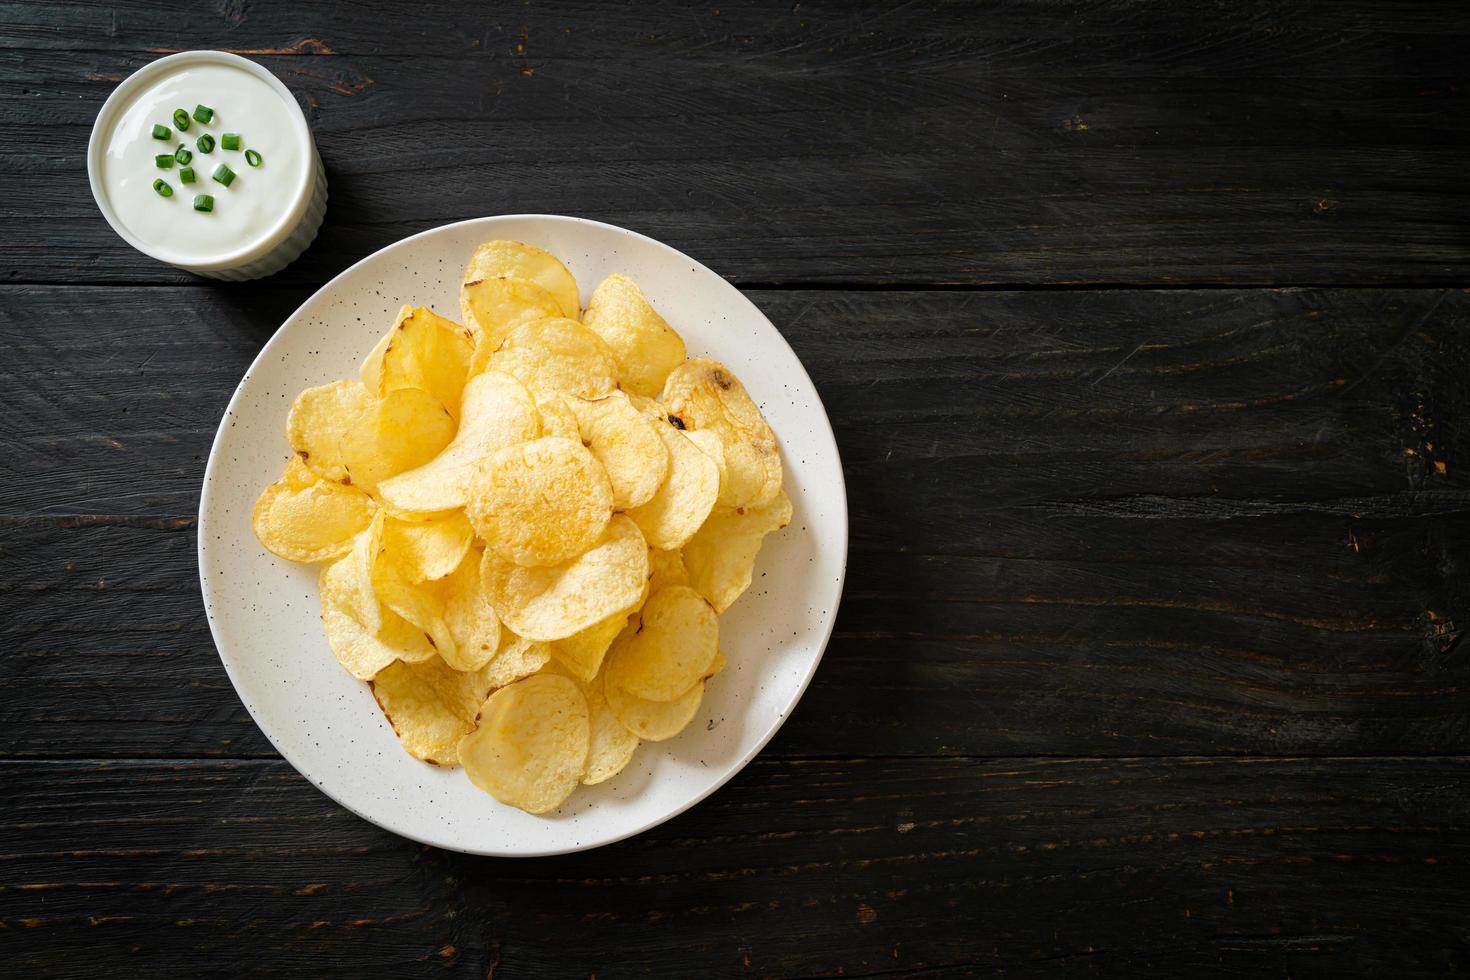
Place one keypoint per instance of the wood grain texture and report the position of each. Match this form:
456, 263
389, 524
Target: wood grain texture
1122, 867
1047, 142
1133, 522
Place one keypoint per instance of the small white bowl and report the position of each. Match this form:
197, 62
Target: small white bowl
280, 244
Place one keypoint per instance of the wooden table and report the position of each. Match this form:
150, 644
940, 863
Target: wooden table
1143, 330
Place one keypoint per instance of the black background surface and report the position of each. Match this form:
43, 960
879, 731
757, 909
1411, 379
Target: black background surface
1143, 329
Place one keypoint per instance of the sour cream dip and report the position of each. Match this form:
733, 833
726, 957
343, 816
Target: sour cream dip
252, 223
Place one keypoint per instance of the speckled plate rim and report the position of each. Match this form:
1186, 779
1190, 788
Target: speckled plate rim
837, 501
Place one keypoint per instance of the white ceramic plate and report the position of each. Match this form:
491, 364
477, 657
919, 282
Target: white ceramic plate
263, 612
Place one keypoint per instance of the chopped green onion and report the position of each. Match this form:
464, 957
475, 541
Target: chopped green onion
205, 143
161, 132
203, 202
161, 186
182, 154
203, 113
224, 174
186, 175
163, 161
181, 120
252, 158
230, 141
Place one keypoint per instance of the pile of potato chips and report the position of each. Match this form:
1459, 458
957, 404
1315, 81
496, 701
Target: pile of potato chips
529, 524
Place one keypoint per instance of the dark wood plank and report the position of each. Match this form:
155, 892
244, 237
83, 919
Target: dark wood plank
1139, 868
1070, 536
1127, 142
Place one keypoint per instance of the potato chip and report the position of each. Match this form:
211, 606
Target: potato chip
371, 369
676, 641
431, 707
345, 434
704, 394
492, 308
470, 617
721, 557
424, 551
610, 746
665, 568
298, 476
427, 352
496, 412
644, 346
556, 354
540, 502
711, 446
686, 497
581, 653
530, 747
625, 443
364, 652
517, 657
552, 603
499, 259
419, 605
557, 419
653, 721
314, 523
356, 579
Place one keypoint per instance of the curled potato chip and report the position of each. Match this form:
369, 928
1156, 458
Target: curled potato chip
517, 657
363, 651
557, 354
665, 568
345, 434
669, 653
424, 551
704, 394
557, 419
684, 499
493, 307
431, 706
312, 523
470, 617
423, 351
496, 412
371, 369
625, 443
644, 346
711, 446
530, 747
721, 557
540, 502
552, 603
653, 721
582, 652
498, 259
610, 746
298, 476
417, 604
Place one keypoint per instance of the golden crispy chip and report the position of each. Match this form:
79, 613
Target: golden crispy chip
704, 394
314, 523
557, 419
298, 476
371, 369
431, 706
492, 308
470, 617
670, 652
345, 434
721, 557
552, 603
424, 551
644, 346
530, 748
653, 721
610, 746
540, 502
517, 657
665, 568
686, 496
557, 354
497, 411
581, 653
625, 443
498, 259
711, 446
427, 352
356, 580
420, 605
362, 651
